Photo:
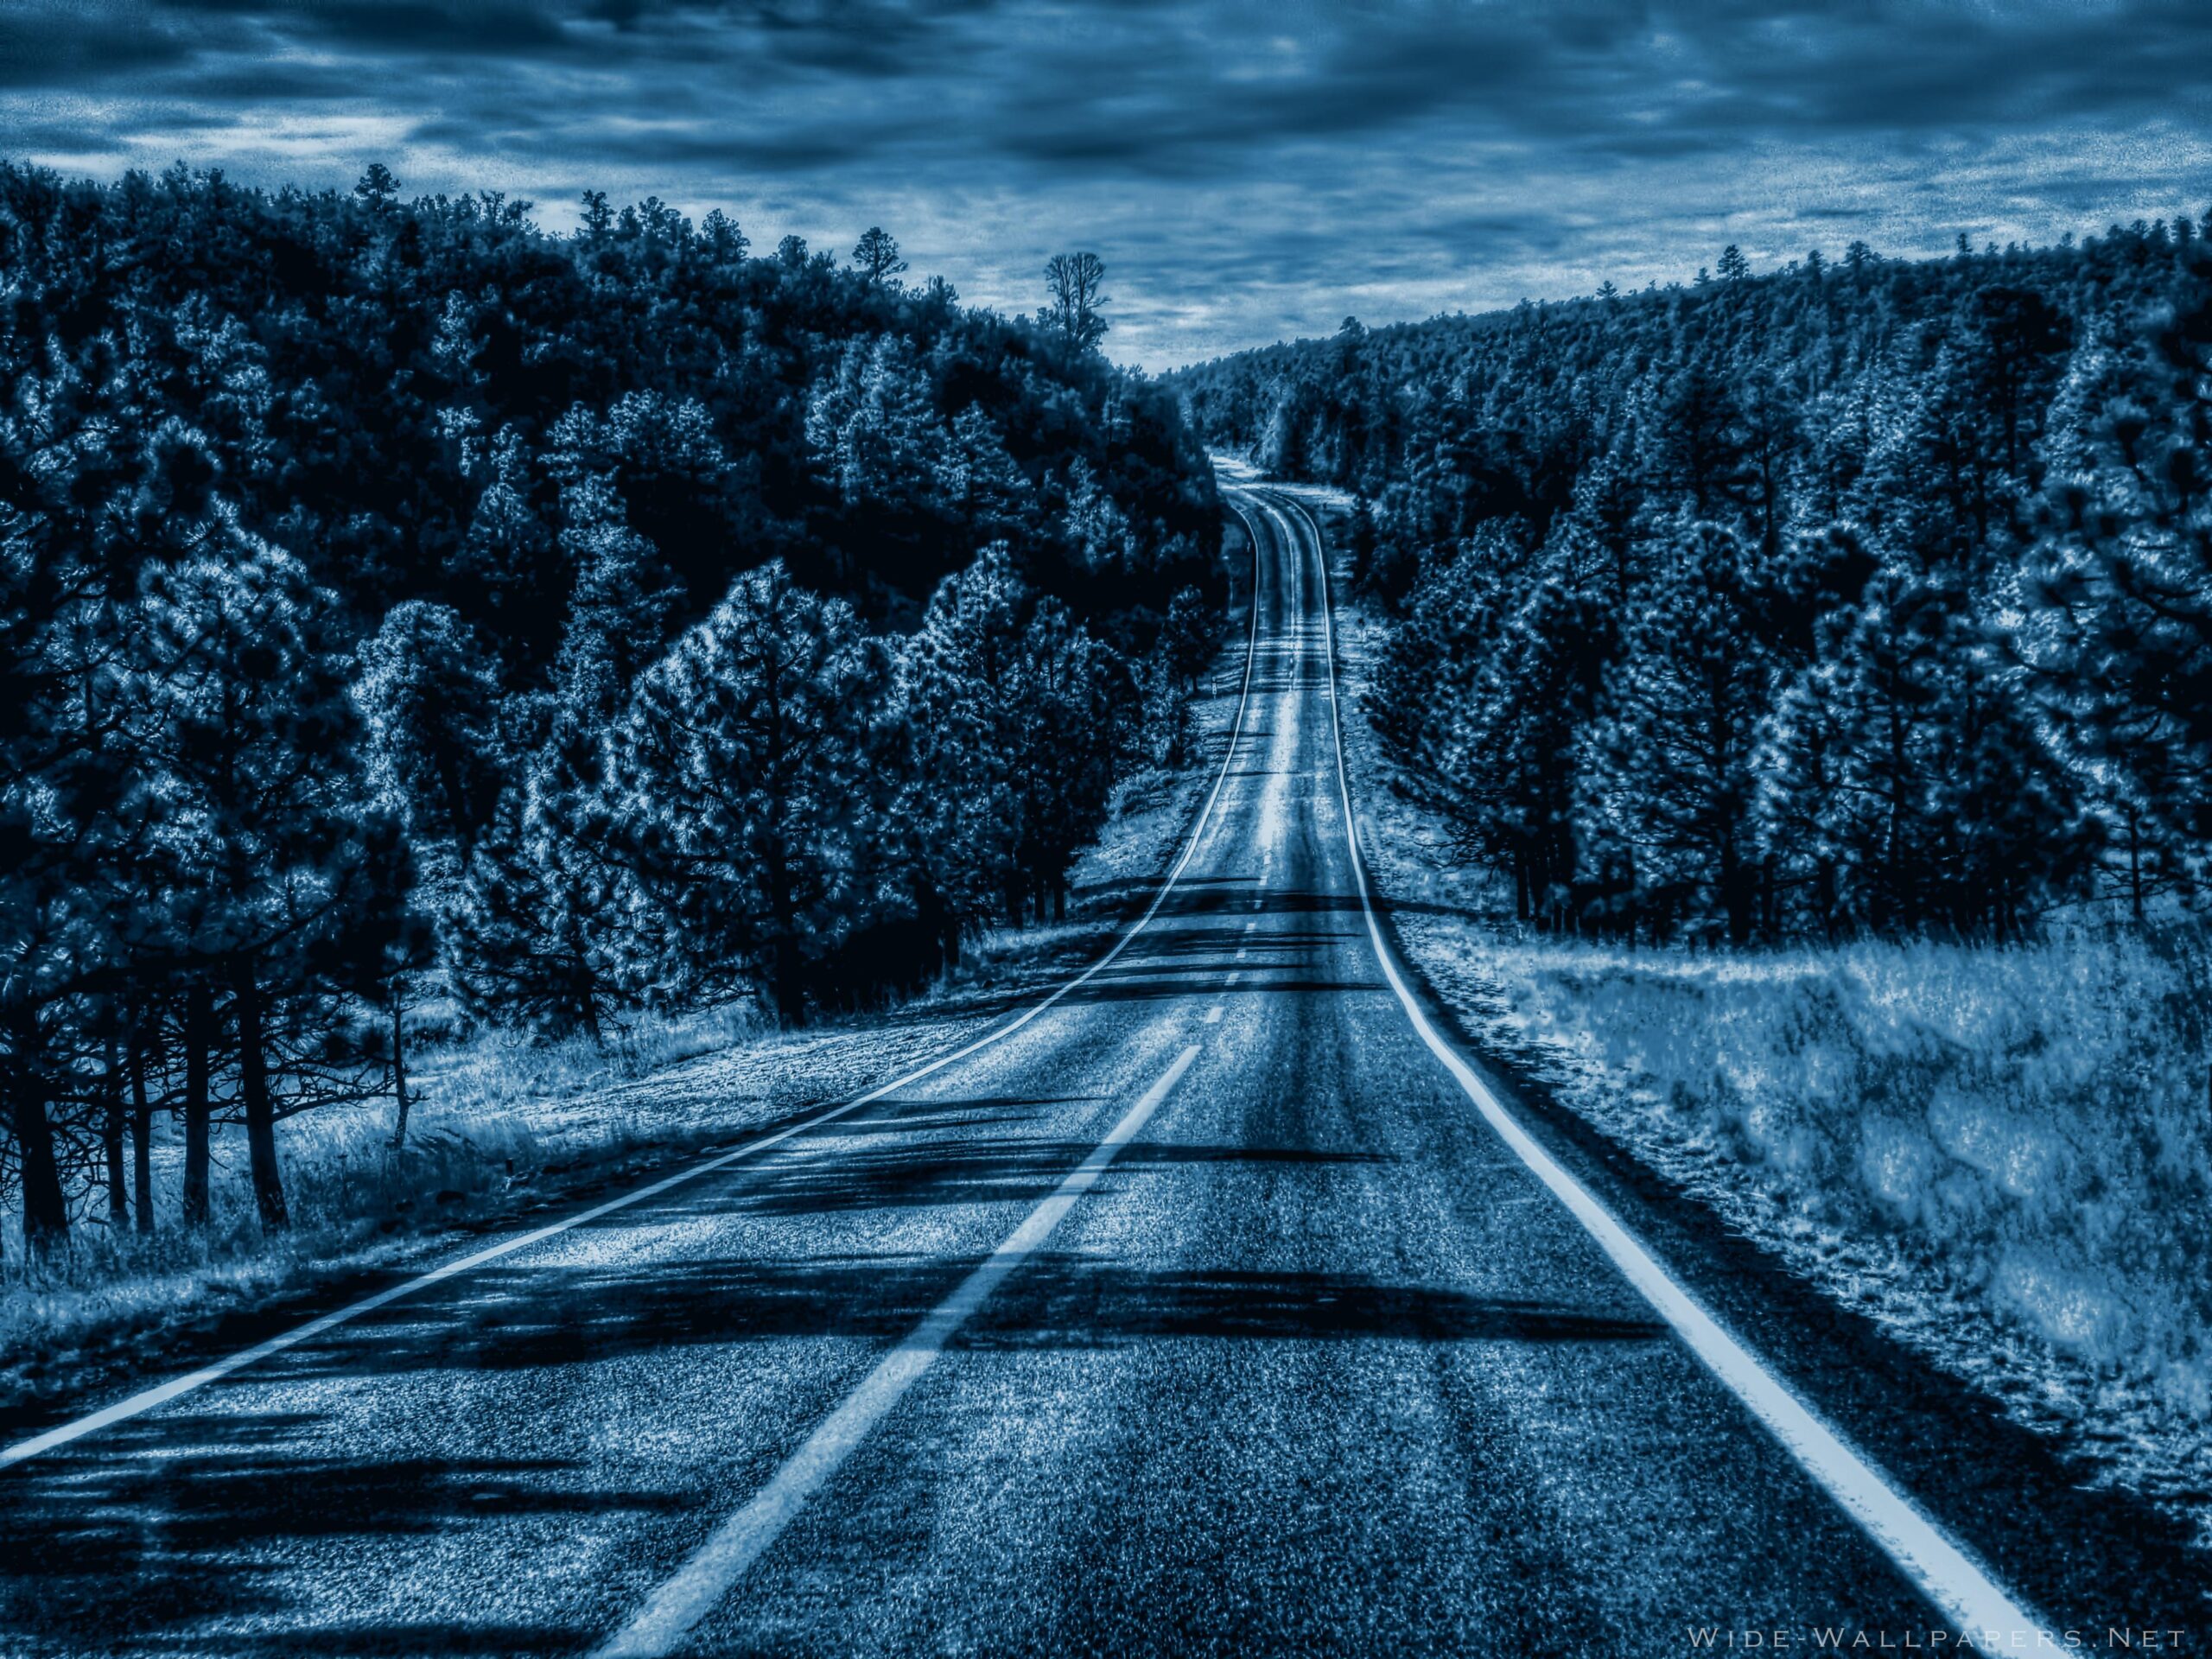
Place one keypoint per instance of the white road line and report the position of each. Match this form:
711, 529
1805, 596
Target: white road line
732, 1547
1961, 1588
1240, 955
1214, 1013
154, 1398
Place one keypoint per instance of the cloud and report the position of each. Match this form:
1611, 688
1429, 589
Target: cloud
1248, 165
43, 48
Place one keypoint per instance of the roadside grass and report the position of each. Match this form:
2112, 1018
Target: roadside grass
502, 1125
494, 1069
2031, 1123
352, 1197
2002, 1155
505, 1124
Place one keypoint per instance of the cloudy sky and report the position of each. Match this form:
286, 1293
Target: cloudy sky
1249, 169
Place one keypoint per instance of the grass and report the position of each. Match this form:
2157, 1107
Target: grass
2032, 1123
353, 1200
495, 1070
2003, 1155
504, 1123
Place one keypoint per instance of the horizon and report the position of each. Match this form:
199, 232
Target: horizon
762, 240
1250, 174
714, 955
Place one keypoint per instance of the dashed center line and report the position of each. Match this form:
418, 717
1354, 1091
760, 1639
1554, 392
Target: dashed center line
703, 1580
1973, 1602
1214, 1013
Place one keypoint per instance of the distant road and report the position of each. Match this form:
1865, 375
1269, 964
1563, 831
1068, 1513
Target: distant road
1208, 1311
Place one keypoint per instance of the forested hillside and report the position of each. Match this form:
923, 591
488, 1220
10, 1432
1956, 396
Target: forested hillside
397, 600
1862, 596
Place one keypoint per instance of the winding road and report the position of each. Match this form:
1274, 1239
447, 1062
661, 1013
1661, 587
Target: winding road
1205, 1308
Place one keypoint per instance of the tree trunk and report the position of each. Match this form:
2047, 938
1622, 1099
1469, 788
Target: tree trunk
784, 973
45, 1214
142, 1137
1735, 894
583, 991
1902, 882
119, 1194
941, 924
198, 1038
399, 1064
2135, 867
260, 1109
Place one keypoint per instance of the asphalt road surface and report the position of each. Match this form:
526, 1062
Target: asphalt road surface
1202, 1314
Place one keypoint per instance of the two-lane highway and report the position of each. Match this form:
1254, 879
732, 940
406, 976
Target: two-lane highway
1205, 1311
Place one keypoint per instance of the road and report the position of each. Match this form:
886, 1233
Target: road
1204, 1312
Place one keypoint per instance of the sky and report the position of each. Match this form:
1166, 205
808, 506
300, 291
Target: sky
1248, 169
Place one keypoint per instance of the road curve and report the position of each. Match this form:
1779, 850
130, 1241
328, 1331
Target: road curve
1202, 1314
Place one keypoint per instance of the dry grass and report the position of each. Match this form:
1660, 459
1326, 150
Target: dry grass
2035, 1120
496, 1109
2003, 1155
495, 1070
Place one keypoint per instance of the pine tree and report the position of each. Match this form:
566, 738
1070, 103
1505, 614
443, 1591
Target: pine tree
877, 258
1361, 539
620, 607
1671, 774
958, 678
259, 449
430, 693
1705, 444
1453, 617
507, 571
73, 796
526, 940
875, 427
1063, 717
1899, 766
1185, 646
2122, 580
1077, 282
737, 787
258, 737
1514, 746
1807, 821
997, 499
435, 768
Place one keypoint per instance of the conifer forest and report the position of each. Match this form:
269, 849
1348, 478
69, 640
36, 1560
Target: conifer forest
1858, 596
395, 596
887, 829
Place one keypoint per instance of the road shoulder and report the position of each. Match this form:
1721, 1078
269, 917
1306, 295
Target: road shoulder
82, 1338
2045, 1514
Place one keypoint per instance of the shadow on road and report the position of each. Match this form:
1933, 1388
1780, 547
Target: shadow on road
171, 1522
1076, 1303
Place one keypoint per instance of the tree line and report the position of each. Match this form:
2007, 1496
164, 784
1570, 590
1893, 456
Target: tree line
1859, 596
398, 600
